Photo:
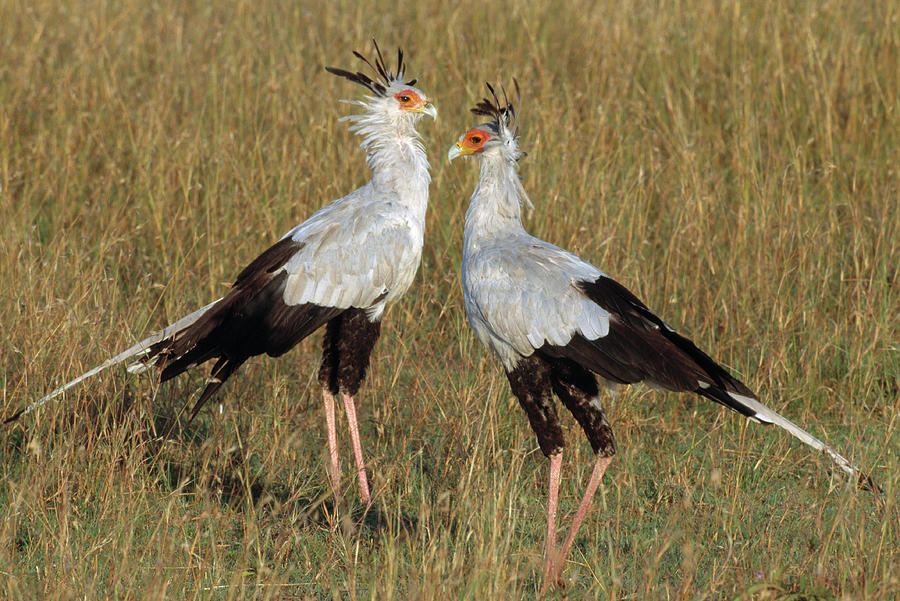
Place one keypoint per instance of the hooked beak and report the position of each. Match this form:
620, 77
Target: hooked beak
457, 150
428, 109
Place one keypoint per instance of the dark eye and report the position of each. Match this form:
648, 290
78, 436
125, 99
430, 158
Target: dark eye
405, 98
475, 139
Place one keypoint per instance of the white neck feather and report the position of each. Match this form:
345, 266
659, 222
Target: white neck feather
394, 151
496, 206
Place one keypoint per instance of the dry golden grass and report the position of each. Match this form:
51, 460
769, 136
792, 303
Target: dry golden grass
735, 164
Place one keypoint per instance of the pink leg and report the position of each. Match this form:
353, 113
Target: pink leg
350, 407
599, 467
335, 471
552, 503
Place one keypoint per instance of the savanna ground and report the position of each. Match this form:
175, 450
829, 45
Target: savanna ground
735, 164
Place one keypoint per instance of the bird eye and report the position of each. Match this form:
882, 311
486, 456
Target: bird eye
404, 98
475, 139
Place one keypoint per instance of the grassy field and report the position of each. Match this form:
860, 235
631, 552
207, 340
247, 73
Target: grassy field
736, 164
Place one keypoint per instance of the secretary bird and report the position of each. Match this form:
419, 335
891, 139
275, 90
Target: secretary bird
555, 320
340, 268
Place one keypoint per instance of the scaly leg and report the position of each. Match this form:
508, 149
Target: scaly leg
350, 407
552, 504
599, 467
335, 471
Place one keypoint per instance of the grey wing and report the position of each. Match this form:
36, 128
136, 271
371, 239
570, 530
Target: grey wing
527, 296
354, 259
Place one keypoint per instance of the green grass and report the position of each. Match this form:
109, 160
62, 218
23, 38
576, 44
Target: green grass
735, 164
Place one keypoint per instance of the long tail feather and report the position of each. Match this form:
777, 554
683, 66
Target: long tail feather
766, 415
138, 349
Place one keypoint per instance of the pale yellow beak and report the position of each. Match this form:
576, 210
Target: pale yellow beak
428, 109
457, 150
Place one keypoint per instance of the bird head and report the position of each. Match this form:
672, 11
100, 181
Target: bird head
499, 135
392, 95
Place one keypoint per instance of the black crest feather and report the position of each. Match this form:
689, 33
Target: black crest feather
379, 67
496, 110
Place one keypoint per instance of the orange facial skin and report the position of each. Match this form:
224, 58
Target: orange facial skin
474, 140
411, 101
